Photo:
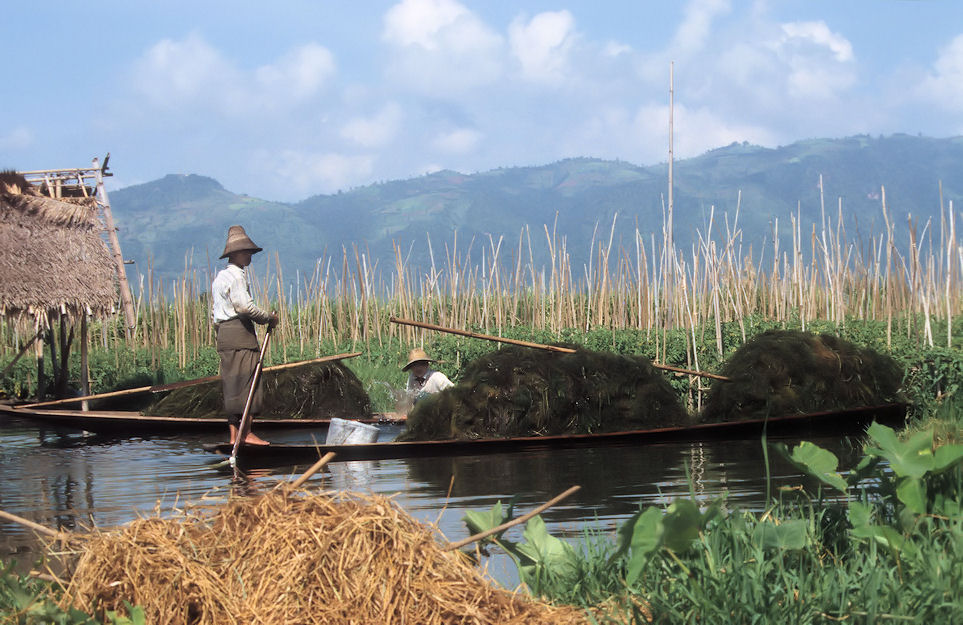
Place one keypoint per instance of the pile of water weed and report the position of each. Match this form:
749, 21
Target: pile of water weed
317, 391
783, 372
518, 391
282, 558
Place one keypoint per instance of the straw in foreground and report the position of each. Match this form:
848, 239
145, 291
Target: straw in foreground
294, 559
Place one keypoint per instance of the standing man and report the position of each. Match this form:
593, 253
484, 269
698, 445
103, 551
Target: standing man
422, 378
235, 313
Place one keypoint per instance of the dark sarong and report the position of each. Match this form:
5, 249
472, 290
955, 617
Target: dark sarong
239, 350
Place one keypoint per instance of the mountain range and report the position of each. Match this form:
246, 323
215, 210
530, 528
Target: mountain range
184, 217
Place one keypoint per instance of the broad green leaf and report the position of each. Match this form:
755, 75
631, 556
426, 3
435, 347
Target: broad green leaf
912, 492
643, 534
865, 468
787, 535
817, 462
682, 523
912, 458
860, 514
947, 456
479, 521
886, 536
554, 554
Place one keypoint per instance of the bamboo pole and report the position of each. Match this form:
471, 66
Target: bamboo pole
504, 526
551, 348
158, 388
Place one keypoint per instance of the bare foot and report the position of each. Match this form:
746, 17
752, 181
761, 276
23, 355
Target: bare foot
251, 439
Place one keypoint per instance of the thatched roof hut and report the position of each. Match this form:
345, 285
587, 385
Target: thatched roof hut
52, 257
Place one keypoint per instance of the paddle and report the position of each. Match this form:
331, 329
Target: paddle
245, 426
158, 388
551, 348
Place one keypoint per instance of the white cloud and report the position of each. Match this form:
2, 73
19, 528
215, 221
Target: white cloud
305, 172
819, 63
192, 75
175, 74
457, 141
440, 45
944, 83
300, 73
542, 45
424, 22
374, 131
17, 138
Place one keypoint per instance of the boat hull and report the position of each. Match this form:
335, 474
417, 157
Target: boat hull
124, 423
845, 422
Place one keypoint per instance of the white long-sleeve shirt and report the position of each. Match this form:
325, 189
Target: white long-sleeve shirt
433, 382
231, 297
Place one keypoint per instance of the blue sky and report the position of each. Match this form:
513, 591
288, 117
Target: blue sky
289, 99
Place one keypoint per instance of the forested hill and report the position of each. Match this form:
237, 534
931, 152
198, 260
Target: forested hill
164, 221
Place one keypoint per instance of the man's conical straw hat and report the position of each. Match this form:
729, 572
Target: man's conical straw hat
416, 355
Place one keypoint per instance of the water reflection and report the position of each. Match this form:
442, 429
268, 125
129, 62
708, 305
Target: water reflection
68, 480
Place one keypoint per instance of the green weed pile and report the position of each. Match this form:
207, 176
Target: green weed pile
783, 372
517, 391
310, 392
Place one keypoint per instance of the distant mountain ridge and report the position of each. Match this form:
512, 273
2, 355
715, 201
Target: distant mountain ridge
164, 221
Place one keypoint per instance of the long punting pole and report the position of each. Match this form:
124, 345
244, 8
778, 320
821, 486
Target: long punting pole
245, 427
125, 297
550, 348
158, 388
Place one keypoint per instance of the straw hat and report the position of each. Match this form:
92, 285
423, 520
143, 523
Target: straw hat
238, 241
416, 355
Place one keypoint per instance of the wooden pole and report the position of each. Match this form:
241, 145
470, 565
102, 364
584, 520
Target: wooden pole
125, 297
552, 348
317, 466
504, 526
245, 425
159, 388
84, 361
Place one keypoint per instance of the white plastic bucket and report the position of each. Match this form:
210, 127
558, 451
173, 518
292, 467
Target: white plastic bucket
345, 432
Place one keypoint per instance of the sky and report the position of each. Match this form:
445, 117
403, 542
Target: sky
287, 99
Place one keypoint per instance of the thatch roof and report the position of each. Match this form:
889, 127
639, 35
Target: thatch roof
52, 256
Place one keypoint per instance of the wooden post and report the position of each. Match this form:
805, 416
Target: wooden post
41, 375
84, 363
126, 298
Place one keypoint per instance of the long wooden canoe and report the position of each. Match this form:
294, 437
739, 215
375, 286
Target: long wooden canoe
126, 423
841, 422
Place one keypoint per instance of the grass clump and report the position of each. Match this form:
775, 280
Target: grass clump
518, 391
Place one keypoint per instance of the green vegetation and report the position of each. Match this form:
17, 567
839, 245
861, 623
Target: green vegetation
26, 600
890, 550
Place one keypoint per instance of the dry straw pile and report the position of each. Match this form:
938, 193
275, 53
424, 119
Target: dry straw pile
304, 558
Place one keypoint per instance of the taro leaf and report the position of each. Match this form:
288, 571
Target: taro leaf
481, 521
865, 468
682, 523
816, 462
643, 534
553, 554
860, 514
912, 492
912, 458
787, 535
478, 521
946, 456
886, 536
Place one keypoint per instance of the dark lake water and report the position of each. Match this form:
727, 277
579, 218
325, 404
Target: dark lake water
63, 478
